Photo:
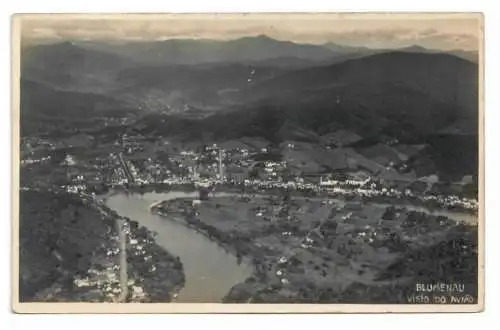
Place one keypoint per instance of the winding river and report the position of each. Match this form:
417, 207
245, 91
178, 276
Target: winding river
209, 269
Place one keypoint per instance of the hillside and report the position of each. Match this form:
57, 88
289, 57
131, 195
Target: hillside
181, 76
444, 78
171, 85
38, 100
401, 94
70, 67
60, 236
42, 107
471, 56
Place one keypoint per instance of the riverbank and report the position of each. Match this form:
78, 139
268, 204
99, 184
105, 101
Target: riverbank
233, 245
154, 275
158, 272
296, 260
210, 271
189, 220
431, 202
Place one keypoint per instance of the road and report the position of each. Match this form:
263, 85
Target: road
123, 260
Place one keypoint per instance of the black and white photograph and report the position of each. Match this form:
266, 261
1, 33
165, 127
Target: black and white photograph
243, 160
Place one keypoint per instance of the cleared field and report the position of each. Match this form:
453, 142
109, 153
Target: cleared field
255, 142
306, 248
341, 137
319, 160
383, 154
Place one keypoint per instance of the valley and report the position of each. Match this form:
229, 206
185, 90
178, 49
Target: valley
326, 173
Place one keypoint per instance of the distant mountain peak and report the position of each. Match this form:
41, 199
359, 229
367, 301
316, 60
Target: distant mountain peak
263, 36
414, 48
260, 38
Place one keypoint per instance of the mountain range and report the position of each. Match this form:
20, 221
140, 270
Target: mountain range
189, 51
151, 74
258, 86
246, 49
246, 72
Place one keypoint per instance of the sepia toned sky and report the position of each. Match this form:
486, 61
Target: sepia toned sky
437, 31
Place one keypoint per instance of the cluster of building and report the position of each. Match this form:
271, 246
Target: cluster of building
139, 249
107, 282
215, 165
234, 164
30, 161
454, 201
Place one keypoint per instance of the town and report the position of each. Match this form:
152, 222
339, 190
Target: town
301, 225
255, 165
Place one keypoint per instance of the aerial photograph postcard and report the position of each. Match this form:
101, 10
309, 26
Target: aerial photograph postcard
292, 162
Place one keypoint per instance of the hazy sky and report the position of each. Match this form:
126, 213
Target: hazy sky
438, 31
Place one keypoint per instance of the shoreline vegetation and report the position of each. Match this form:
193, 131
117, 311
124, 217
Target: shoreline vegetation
212, 234
393, 283
230, 188
71, 253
